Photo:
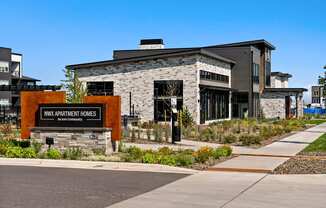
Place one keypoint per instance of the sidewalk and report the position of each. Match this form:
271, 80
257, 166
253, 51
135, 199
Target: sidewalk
235, 190
242, 189
266, 159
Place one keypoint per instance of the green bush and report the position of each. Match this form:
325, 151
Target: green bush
184, 160
250, 139
53, 154
72, 153
186, 117
167, 160
29, 152
135, 153
4, 145
223, 151
165, 151
14, 152
229, 139
206, 134
203, 154
101, 151
20, 143
149, 158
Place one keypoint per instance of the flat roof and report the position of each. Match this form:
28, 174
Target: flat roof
248, 43
154, 56
285, 90
281, 74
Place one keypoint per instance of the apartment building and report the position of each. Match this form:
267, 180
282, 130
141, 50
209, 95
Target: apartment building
214, 82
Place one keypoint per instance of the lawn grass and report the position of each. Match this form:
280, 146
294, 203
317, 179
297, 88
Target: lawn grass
318, 145
314, 121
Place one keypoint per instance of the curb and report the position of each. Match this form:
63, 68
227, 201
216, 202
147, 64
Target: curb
95, 165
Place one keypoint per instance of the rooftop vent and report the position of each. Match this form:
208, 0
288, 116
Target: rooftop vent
151, 44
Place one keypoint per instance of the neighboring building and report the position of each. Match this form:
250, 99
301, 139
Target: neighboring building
317, 98
213, 82
12, 81
276, 101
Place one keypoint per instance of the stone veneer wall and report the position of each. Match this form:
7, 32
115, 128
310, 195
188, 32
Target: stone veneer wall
87, 139
273, 105
138, 78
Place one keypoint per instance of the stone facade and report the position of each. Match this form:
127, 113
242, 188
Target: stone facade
138, 78
273, 105
85, 138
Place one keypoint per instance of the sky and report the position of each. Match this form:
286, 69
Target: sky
54, 33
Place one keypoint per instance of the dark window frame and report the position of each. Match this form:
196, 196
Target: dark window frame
100, 88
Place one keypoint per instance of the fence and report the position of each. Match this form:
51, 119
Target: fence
315, 111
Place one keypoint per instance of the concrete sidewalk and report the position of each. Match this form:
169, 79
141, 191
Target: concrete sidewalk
121, 166
267, 158
235, 190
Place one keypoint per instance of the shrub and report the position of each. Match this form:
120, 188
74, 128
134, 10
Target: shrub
6, 128
157, 131
135, 153
184, 160
149, 158
167, 132
121, 147
20, 143
186, 117
14, 152
203, 154
37, 146
53, 154
229, 138
206, 134
223, 151
101, 151
29, 152
148, 133
72, 153
4, 145
249, 139
165, 151
167, 160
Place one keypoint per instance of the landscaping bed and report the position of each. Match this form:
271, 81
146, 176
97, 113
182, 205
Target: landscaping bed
312, 160
199, 159
247, 132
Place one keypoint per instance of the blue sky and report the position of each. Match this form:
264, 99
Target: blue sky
55, 33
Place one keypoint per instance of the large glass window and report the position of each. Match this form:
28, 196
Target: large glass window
213, 76
255, 73
214, 104
100, 88
163, 91
268, 73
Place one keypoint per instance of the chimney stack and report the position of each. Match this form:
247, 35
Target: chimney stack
151, 44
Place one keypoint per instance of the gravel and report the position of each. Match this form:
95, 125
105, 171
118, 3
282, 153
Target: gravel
303, 165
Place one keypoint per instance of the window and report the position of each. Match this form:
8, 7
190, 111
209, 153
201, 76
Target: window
213, 76
268, 73
163, 91
4, 102
4, 69
100, 88
255, 73
315, 100
214, 104
4, 82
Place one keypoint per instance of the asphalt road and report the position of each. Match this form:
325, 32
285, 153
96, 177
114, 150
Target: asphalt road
33, 187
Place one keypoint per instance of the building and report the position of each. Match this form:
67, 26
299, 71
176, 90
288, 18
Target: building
276, 101
214, 82
317, 98
13, 81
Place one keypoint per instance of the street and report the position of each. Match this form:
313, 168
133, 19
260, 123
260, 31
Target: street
33, 187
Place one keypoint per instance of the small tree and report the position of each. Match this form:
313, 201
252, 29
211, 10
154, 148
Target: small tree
73, 86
